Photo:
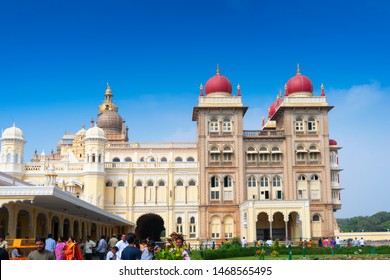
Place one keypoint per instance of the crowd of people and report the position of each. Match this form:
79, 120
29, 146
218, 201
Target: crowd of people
127, 248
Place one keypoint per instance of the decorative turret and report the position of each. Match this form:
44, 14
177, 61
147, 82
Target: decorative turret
12, 149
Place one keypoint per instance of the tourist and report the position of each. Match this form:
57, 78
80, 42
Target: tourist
16, 253
3, 255
112, 242
131, 252
88, 248
338, 243
121, 244
40, 253
243, 242
355, 242
3, 243
112, 254
179, 244
50, 243
101, 248
72, 250
59, 250
149, 251
362, 242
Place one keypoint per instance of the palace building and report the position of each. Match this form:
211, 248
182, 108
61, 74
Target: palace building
279, 182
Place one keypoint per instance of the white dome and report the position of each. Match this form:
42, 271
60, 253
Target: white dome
13, 133
95, 132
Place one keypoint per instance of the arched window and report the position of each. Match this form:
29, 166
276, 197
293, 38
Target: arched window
276, 182
139, 184
192, 183
179, 183
179, 226
213, 126
299, 124
115, 159
178, 159
251, 154
150, 159
150, 183
264, 182
128, 159
121, 184
214, 188
108, 184
264, 154
316, 218
314, 177
163, 159
214, 153
276, 154
313, 153
192, 228
311, 124
301, 178
227, 125
251, 182
161, 183
227, 182
141, 159
190, 159
227, 153
301, 152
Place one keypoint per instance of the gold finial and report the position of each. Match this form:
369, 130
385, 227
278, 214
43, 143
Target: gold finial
298, 69
238, 90
201, 87
218, 70
322, 86
238, 86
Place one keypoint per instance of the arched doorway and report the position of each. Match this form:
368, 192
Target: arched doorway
4, 218
150, 225
41, 225
55, 227
278, 227
262, 227
23, 224
294, 226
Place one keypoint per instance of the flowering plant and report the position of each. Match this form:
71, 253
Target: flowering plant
261, 253
171, 251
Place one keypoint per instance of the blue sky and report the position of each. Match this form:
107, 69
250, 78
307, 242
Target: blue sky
57, 56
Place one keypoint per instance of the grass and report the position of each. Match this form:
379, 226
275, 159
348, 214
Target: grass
320, 257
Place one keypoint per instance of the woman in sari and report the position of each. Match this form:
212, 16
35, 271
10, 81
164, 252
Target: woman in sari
59, 250
72, 250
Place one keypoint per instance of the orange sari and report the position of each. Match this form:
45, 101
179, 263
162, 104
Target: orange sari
72, 252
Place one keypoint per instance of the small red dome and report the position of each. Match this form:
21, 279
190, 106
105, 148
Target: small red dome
299, 84
218, 83
272, 108
332, 142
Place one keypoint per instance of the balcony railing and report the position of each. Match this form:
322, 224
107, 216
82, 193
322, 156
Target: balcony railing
263, 133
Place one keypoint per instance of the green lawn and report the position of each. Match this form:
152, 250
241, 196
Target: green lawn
319, 257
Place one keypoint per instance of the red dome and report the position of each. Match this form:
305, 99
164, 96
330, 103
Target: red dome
272, 108
332, 142
218, 83
299, 84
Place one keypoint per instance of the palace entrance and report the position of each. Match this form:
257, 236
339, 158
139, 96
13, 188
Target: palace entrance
150, 225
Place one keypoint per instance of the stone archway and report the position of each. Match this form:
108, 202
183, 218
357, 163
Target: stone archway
149, 225
263, 227
294, 226
4, 218
66, 228
278, 226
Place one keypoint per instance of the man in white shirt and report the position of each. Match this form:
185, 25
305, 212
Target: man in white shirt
338, 242
102, 248
121, 244
88, 247
362, 242
243, 242
112, 254
50, 243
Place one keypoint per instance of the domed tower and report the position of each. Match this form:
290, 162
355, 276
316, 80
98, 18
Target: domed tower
12, 149
219, 116
109, 119
94, 173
